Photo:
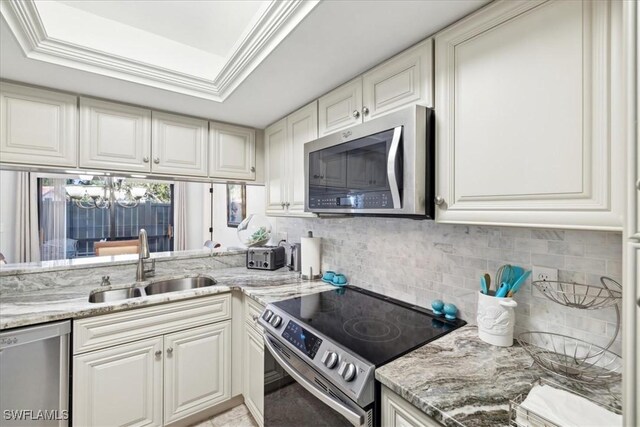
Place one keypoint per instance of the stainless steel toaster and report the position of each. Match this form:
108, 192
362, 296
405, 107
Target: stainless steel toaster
266, 258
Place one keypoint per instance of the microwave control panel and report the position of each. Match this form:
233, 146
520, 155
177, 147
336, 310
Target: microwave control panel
369, 200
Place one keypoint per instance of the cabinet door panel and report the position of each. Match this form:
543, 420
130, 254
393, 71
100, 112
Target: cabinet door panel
254, 373
114, 136
119, 386
302, 127
524, 130
197, 370
37, 127
233, 152
275, 140
179, 145
397, 412
336, 109
404, 79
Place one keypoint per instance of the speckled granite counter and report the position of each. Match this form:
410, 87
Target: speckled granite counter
461, 381
68, 298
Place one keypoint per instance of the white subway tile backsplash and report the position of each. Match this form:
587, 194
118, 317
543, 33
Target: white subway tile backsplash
419, 261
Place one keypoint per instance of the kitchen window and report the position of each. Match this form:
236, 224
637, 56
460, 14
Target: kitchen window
75, 213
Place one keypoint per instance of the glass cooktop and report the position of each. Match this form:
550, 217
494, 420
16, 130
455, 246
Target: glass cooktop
377, 328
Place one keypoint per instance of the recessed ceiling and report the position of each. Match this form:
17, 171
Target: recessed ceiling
293, 51
214, 27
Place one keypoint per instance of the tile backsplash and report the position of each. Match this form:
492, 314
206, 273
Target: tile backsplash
419, 261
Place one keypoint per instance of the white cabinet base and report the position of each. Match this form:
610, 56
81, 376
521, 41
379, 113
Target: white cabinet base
397, 412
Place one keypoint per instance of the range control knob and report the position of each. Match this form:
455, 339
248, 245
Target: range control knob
267, 315
275, 321
347, 371
330, 359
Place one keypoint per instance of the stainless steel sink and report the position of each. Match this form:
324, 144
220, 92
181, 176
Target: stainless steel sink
115, 295
176, 285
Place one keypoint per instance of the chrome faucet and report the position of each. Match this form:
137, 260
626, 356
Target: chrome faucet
144, 254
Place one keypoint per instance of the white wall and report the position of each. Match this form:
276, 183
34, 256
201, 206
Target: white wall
255, 205
198, 214
8, 214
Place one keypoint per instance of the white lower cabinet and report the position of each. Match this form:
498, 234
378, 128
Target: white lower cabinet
152, 380
397, 412
119, 386
197, 370
254, 373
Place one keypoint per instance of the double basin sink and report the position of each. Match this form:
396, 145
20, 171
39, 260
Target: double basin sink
161, 287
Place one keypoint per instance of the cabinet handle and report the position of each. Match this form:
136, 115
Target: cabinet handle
145, 159
158, 353
638, 185
156, 160
254, 317
439, 200
287, 204
170, 350
253, 168
365, 111
355, 114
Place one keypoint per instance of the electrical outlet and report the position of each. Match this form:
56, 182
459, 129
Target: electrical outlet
545, 273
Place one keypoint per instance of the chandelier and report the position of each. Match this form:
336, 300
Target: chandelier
112, 192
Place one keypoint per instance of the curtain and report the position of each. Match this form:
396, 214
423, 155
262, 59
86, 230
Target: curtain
180, 216
27, 240
53, 222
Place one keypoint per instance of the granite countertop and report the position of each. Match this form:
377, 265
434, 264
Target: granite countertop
462, 381
68, 302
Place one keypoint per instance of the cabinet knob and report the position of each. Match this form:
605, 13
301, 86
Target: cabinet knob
145, 159
638, 185
287, 204
158, 353
365, 111
439, 200
253, 168
282, 204
170, 350
355, 114
156, 160
254, 317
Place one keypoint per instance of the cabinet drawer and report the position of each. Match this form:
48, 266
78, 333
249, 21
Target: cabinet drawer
112, 329
252, 312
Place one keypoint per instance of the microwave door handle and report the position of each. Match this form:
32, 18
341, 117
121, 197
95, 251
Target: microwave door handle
348, 413
391, 167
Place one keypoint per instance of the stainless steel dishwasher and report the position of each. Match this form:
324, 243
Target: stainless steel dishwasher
34, 372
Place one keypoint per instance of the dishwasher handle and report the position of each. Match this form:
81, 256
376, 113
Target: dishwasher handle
17, 337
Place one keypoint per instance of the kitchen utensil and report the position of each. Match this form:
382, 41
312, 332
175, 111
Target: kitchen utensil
503, 290
516, 286
483, 286
503, 275
516, 273
487, 278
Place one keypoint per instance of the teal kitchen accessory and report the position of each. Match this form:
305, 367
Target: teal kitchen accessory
483, 286
450, 311
503, 290
339, 279
328, 276
518, 283
437, 305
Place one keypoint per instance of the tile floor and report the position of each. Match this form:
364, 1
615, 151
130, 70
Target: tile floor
234, 417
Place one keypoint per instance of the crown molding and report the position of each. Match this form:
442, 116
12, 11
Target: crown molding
278, 19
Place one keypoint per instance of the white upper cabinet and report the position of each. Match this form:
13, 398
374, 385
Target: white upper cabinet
341, 108
405, 79
284, 148
302, 127
233, 152
527, 132
38, 127
114, 136
179, 145
275, 147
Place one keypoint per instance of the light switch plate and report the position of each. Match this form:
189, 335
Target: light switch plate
544, 273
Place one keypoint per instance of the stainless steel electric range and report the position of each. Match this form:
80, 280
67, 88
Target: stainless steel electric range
323, 350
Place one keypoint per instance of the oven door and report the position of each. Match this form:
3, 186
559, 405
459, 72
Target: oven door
296, 395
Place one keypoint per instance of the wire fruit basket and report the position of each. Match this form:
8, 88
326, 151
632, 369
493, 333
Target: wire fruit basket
572, 358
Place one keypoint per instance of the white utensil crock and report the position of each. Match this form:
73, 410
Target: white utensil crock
496, 319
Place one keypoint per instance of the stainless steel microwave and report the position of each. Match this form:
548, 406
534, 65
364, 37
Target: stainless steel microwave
382, 167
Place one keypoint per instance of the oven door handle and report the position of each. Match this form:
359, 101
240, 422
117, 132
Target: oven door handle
391, 168
353, 417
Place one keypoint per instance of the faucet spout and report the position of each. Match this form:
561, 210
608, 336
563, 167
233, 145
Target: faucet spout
141, 272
